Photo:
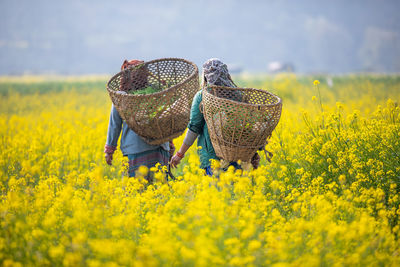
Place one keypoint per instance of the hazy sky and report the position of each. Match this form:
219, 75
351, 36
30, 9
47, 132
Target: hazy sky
79, 37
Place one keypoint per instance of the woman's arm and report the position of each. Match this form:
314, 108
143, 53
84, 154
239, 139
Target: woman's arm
187, 143
195, 127
113, 132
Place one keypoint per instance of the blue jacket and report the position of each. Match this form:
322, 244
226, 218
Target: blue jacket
131, 143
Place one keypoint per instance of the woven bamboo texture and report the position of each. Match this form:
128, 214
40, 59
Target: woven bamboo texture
160, 116
239, 120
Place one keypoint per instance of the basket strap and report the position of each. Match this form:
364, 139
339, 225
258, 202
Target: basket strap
268, 155
169, 173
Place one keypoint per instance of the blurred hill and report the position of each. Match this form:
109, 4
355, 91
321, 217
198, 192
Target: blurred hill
80, 37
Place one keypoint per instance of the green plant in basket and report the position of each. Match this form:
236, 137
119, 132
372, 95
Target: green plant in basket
145, 91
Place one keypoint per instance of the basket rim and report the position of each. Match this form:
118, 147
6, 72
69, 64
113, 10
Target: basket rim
194, 73
241, 103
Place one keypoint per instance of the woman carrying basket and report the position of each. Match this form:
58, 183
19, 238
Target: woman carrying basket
215, 72
139, 153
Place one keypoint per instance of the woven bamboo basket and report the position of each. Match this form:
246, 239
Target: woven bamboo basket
239, 120
161, 116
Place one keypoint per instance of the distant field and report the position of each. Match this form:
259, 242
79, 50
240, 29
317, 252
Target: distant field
330, 196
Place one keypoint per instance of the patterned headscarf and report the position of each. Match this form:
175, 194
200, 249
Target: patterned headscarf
215, 72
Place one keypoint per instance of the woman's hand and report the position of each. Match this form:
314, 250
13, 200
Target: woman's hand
175, 160
255, 160
109, 158
179, 155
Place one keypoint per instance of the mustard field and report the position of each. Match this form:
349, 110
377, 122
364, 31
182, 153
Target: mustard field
330, 196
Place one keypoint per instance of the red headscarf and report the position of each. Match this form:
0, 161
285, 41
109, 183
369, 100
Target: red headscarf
132, 62
133, 79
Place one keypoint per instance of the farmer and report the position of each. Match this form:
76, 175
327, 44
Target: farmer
138, 151
215, 72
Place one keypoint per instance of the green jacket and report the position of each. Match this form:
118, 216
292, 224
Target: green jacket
198, 125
